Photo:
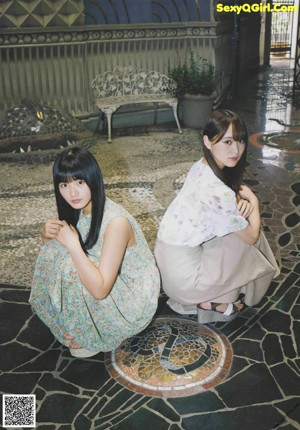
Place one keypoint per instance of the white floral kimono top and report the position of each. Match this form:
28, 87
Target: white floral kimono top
203, 209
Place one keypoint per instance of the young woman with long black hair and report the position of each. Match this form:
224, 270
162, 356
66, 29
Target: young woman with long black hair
212, 255
95, 282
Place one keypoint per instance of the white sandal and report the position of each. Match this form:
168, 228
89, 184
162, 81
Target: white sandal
206, 316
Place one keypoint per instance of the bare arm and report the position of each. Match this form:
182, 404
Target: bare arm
250, 234
99, 280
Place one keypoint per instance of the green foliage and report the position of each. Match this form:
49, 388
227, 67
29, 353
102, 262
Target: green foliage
197, 76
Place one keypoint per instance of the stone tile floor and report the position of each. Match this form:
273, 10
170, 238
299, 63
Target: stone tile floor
143, 169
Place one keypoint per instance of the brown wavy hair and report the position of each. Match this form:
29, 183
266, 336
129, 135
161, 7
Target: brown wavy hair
215, 129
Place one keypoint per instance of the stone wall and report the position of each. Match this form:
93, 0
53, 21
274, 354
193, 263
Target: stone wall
56, 66
49, 56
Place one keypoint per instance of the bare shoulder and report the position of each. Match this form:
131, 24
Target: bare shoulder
119, 221
118, 225
119, 232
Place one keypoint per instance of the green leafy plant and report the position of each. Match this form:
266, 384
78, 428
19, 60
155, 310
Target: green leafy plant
197, 76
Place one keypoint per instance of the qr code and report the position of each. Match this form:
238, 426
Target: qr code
18, 410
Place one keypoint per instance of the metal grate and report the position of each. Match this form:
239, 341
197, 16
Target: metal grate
282, 30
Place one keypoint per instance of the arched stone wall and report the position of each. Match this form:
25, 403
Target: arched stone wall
147, 11
46, 13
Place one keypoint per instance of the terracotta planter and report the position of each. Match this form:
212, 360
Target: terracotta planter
196, 109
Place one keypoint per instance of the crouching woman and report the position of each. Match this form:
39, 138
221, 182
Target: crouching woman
211, 252
95, 281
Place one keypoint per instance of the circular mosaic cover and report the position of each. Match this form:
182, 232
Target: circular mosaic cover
288, 141
282, 140
173, 357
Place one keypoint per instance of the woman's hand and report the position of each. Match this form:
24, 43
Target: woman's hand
245, 208
246, 193
51, 229
68, 236
248, 206
247, 201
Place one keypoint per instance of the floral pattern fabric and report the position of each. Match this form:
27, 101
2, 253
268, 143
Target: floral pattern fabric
203, 209
64, 305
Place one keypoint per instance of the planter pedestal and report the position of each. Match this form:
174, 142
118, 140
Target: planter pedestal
196, 110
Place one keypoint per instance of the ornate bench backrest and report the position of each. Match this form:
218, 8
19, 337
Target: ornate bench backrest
124, 81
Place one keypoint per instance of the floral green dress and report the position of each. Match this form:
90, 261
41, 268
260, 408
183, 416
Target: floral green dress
64, 305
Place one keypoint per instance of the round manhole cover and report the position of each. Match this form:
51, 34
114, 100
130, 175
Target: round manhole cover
173, 357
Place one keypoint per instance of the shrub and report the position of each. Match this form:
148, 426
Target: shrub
197, 76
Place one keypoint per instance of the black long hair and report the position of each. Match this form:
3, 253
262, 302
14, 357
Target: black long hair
73, 164
215, 129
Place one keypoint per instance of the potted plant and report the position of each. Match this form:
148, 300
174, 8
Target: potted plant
196, 83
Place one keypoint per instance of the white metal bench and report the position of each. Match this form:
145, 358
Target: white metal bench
128, 85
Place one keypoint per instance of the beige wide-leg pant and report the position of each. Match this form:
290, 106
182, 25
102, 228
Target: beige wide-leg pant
217, 271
